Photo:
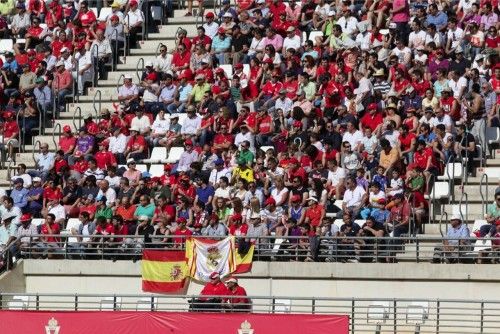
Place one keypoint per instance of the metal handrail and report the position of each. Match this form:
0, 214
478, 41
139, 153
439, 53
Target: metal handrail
140, 61
55, 100
144, 25
97, 110
441, 223
56, 127
22, 133
79, 110
95, 63
122, 76
33, 151
483, 201
77, 91
176, 35
466, 196
432, 195
43, 113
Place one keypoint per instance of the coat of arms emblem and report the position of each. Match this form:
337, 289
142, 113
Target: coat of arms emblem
175, 273
245, 328
213, 257
52, 327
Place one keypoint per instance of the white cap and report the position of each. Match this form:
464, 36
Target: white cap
393, 25
331, 13
128, 76
140, 218
130, 160
148, 63
37, 179
456, 217
59, 63
64, 49
232, 280
174, 116
227, 14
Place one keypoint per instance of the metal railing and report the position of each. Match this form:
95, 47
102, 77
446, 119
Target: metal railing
97, 110
95, 64
484, 198
120, 78
78, 111
57, 129
137, 66
366, 315
22, 133
274, 248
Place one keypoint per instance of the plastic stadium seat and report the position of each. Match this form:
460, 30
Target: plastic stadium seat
378, 311
246, 69
19, 303
492, 172
440, 190
482, 245
182, 118
108, 303
144, 304
141, 168
37, 221
6, 45
282, 305
417, 312
156, 11
156, 170
157, 155
478, 223
175, 154
455, 171
360, 222
228, 69
105, 11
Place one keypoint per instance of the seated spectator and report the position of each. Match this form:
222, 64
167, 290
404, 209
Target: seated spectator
49, 240
456, 244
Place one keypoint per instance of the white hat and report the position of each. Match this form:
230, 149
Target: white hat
64, 49
377, 43
59, 63
227, 14
479, 57
232, 280
174, 116
393, 25
130, 160
134, 128
148, 63
331, 13
128, 76
312, 198
140, 218
456, 217
261, 1
37, 179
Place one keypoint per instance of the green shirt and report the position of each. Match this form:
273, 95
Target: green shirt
309, 89
106, 213
148, 210
198, 91
493, 210
7, 7
247, 156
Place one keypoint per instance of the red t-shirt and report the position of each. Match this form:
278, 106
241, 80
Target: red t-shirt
105, 159
314, 215
35, 31
52, 194
221, 139
265, 124
87, 18
406, 141
182, 233
240, 296
181, 60
271, 88
420, 158
58, 164
218, 289
55, 229
80, 166
136, 143
291, 88
66, 142
421, 87
371, 121
238, 230
10, 129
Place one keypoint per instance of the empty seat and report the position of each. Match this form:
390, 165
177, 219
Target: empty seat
453, 171
360, 222
378, 311
482, 245
105, 11
6, 45
19, 303
338, 223
417, 312
37, 221
108, 304
156, 170
492, 172
157, 155
141, 168
440, 190
175, 154
228, 69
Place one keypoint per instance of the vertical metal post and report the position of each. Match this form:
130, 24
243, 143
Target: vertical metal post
438, 305
37, 302
353, 310
482, 318
395, 314
417, 249
313, 302
273, 306
76, 302
152, 303
114, 302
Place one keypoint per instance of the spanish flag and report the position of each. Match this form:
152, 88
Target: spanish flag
163, 271
244, 262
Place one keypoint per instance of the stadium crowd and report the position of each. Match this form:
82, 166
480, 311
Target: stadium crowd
288, 114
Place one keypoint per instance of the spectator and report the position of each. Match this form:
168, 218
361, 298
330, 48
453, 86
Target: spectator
456, 243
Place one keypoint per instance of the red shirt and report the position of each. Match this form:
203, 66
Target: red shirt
371, 121
271, 88
90, 209
106, 230
421, 87
300, 172
240, 296
184, 233
265, 124
80, 166
105, 159
10, 129
190, 192
238, 230
217, 289
87, 18
205, 41
126, 213
181, 59
420, 158
314, 214
58, 164
65, 143
52, 194
399, 85
221, 139
55, 229
291, 88
406, 140
35, 31
135, 143
92, 128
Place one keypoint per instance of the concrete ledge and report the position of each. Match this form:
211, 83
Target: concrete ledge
285, 270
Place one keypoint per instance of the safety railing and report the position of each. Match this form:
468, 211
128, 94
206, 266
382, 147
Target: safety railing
78, 111
55, 99
176, 37
464, 198
139, 65
119, 81
94, 53
76, 90
97, 109
445, 214
484, 195
22, 133
56, 130
274, 248
42, 109
36, 145
366, 315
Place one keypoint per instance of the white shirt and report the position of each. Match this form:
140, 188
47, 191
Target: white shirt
142, 123
215, 175
110, 196
113, 181
240, 138
353, 197
456, 86
364, 41
455, 36
160, 126
369, 144
285, 105
211, 29
348, 25
417, 39
353, 138
446, 121
58, 211
134, 17
68, 63
149, 94
335, 176
191, 125
436, 39
392, 137
84, 60
293, 43
118, 144
164, 64
126, 91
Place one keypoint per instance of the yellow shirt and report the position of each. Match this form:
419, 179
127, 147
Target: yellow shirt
7, 7
246, 174
198, 91
387, 159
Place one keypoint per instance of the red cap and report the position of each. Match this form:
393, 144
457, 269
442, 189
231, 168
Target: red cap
114, 17
296, 198
238, 66
67, 128
219, 70
237, 217
293, 161
78, 154
152, 76
188, 142
7, 114
181, 220
297, 124
268, 61
209, 15
133, 3
270, 201
167, 167
497, 222
25, 218
104, 143
382, 201
31, 52
221, 30
213, 216
372, 106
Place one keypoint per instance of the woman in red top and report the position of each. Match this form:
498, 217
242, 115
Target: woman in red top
255, 77
54, 14
411, 121
182, 232
51, 193
314, 213
407, 142
180, 59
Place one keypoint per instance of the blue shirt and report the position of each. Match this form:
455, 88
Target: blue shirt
35, 205
219, 44
184, 92
429, 139
440, 20
20, 197
205, 193
460, 232
12, 66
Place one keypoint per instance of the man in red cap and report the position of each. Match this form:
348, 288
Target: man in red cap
294, 170
182, 232
134, 20
67, 142
372, 119
202, 40
270, 90
221, 46
25, 232
211, 290
104, 158
187, 157
239, 302
210, 25
184, 190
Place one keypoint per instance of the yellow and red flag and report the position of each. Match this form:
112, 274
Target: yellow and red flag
244, 262
163, 271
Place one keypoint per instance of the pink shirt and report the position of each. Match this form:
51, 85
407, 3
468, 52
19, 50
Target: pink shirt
276, 41
403, 15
